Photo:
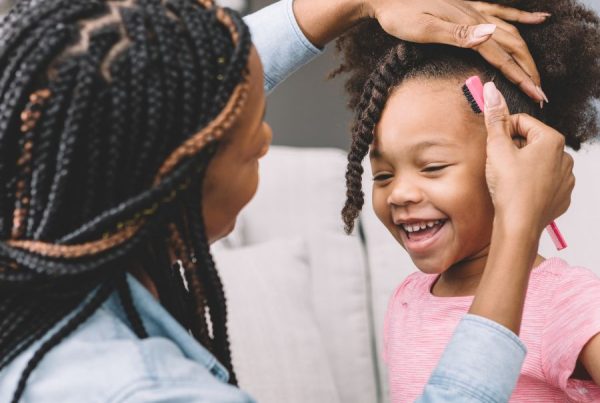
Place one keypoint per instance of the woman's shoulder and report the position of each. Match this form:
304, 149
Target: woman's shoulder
104, 361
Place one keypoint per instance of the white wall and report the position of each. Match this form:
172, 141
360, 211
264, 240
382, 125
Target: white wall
580, 225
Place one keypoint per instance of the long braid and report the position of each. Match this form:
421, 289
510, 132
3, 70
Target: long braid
100, 195
129, 307
368, 113
46, 145
75, 120
208, 274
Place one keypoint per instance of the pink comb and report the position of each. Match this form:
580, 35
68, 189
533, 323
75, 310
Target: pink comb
475, 88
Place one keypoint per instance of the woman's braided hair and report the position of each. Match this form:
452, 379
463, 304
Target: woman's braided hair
566, 49
110, 112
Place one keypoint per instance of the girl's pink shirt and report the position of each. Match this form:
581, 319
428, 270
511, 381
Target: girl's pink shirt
562, 313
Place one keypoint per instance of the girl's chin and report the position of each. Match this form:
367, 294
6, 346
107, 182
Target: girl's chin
430, 267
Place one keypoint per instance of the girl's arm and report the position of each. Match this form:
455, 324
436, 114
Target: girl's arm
590, 358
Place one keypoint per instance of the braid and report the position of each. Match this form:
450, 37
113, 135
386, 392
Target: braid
368, 113
46, 145
133, 22
129, 307
98, 175
91, 202
217, 304
75, 120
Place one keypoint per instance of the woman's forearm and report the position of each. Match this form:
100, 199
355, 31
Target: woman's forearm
501, 293
322, 21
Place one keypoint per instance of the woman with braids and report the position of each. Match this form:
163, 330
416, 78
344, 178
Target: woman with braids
129, 138
438, 196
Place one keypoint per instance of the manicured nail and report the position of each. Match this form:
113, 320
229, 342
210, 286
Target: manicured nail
491, 95
544, 14
483, 30
542, 94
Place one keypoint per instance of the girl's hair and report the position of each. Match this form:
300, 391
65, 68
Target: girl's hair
110, 111
566, 49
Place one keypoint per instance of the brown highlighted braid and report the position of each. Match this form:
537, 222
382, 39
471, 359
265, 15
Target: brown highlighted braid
110, 112
566, 50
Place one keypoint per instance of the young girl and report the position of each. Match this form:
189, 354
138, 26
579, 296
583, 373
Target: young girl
427, 152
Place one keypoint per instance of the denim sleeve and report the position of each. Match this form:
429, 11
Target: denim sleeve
280, 43
481, 363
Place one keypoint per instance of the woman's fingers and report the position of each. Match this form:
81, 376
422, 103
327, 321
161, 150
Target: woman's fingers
437, 30
534, 131
504, 61
510, 39
466, 24
509, 13
498, 121
507, 52
533, 182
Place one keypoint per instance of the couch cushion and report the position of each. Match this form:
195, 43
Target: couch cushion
298, 319
300, 191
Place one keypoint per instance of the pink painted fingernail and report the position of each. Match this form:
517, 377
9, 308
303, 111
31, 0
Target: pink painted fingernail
491, 95
542, 93
483, 30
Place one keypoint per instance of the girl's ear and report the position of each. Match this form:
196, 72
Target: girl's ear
519, 141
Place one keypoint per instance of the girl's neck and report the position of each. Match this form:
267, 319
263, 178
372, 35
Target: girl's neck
463, 278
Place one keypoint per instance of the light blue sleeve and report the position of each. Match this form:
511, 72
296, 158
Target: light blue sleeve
280, 43
481, 363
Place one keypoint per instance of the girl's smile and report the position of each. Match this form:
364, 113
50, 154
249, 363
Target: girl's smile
421, 237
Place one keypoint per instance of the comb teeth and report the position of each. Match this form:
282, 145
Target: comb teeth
471, 100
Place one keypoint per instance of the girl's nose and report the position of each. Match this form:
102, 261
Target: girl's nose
404, 192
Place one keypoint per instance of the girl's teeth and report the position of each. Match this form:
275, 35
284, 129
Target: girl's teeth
420, 226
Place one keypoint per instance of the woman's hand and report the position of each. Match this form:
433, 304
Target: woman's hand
532, 185
469, 24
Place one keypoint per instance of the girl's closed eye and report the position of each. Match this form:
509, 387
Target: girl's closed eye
435, 167
381, 177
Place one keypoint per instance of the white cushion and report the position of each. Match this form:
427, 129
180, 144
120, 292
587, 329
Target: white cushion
276, 344
298, 319
300, 191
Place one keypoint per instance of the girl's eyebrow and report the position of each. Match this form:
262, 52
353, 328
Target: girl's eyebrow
423, 145
417, 148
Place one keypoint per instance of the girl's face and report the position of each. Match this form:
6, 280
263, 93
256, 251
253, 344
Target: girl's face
232, 176
428, 162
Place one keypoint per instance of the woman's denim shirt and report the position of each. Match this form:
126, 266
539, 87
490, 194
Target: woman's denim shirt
103, 360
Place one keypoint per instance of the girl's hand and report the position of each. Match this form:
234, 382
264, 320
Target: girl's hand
477, 25
532, 185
